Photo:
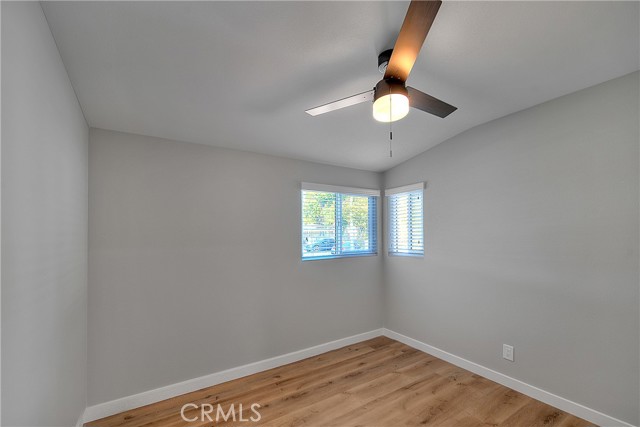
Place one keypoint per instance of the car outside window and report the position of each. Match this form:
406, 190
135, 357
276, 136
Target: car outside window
338, 224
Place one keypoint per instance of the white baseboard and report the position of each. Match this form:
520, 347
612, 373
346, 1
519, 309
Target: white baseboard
566, 405
113, 407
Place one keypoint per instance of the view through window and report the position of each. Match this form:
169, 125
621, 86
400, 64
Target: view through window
338, 224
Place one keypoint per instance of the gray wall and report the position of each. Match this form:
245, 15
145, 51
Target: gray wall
44, 228
195, 263
532, 240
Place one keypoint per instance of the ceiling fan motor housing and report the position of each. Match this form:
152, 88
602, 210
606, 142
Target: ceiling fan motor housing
390, 87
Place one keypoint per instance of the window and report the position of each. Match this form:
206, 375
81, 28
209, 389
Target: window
338, 221
406, 229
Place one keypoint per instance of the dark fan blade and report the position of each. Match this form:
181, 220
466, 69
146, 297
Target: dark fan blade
415, 27
342, 103
428, 103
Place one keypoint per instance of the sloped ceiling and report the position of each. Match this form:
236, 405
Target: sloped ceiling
240, 75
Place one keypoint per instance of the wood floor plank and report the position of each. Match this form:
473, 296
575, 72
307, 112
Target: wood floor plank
346, 401
537, 414
436, 403
378, 383
498, 405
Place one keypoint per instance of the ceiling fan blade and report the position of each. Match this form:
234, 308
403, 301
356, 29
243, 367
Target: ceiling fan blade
428, 103
342, 103
415, 27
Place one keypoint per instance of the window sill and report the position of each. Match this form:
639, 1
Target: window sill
401, 255
351, 255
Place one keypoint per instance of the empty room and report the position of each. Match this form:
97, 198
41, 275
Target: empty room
320, 213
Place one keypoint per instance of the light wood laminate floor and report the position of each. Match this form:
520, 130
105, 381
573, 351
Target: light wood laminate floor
379, 382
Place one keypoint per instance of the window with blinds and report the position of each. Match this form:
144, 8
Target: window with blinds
406, 220
338, 221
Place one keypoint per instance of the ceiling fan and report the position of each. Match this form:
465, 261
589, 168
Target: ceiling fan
391, 97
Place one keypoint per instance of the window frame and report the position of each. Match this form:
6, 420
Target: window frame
374, 214
405, 189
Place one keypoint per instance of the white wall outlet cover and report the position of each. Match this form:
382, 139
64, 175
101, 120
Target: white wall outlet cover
507, 352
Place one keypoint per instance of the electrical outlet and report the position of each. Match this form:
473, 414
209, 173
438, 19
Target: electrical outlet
507, 352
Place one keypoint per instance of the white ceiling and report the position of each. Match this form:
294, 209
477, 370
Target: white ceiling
240, 75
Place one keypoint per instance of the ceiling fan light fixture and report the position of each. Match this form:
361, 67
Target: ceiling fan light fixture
391, 101
391, 97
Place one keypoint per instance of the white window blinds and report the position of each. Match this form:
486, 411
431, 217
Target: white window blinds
406, 220
338, 221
